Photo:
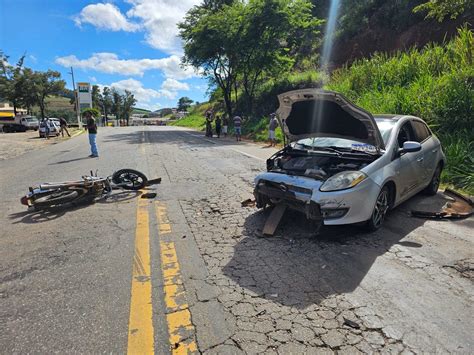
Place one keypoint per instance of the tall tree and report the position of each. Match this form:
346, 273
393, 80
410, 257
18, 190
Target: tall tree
439, 9
10, 77
128, 102
26, 84
116, 103
96, 99
45, 84
106, 103
184, 103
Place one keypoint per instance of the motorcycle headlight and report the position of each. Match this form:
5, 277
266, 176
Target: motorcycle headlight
343, 180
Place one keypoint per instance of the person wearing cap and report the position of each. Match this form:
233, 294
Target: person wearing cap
91, 127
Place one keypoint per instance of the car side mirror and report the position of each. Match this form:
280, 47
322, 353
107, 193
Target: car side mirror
410, 147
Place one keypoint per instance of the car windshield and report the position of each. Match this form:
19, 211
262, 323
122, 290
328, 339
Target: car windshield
385, 128
326, 142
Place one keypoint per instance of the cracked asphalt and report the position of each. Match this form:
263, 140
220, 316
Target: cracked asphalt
65, 275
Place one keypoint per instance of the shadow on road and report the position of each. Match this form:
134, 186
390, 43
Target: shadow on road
31, 215
298, 268
69, 161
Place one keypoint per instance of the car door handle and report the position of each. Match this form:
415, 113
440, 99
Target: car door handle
420, 159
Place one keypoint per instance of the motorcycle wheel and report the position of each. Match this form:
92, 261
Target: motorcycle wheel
56, 198
129, 179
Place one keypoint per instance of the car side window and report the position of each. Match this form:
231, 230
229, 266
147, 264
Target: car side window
422, 132
405, 134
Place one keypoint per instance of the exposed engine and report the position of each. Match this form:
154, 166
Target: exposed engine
317, 166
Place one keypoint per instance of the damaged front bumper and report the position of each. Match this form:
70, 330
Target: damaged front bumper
268, 193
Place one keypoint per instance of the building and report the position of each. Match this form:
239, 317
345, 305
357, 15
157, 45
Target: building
6, 107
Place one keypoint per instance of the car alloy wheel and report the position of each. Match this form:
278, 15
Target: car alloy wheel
433, 187
380, 209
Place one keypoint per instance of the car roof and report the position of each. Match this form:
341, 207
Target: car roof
389, 117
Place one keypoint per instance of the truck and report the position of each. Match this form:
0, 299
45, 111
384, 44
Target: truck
11, 123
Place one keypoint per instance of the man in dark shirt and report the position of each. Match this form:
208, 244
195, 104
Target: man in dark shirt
63, 126
91, 127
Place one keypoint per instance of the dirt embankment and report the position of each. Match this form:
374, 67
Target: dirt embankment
377, 39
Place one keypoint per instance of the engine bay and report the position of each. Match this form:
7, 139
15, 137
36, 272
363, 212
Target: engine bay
314, 165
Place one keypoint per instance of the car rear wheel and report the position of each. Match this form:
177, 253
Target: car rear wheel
433, 187
382, 205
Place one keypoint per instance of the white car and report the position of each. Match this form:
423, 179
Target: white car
343, 165
53, 128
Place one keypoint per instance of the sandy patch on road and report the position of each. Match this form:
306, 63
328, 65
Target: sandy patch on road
15, 144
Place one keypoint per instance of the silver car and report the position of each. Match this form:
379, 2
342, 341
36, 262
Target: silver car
343, 165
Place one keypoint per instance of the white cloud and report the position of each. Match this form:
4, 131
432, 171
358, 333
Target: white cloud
142, 94
93, 79
159, 19
174, 85
105, 17
33, 58
111, 64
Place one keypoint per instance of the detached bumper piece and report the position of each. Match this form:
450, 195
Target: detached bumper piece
283, 196
460, 207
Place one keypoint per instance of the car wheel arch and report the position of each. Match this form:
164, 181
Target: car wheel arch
392, 187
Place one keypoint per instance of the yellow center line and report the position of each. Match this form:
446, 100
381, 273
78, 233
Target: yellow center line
180, 328
140, 326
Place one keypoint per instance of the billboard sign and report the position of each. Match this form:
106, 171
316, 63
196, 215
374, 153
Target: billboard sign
84, 94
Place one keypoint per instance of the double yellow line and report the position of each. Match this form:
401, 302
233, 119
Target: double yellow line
140, 329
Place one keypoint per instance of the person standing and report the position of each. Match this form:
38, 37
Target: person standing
47, 129
218, 126
208, 123
238, 127
225, 125
271, 129
91, 127
63, 127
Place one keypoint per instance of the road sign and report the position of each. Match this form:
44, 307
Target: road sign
85, 95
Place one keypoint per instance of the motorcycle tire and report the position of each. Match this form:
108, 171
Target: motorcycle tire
129, 179
56, 198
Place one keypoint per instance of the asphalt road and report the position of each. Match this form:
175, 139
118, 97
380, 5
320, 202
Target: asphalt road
189, 270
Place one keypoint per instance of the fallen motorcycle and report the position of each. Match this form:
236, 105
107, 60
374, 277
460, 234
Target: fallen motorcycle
88, 189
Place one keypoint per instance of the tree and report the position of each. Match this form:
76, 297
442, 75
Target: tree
45, 84
26, 84
106, 101
184, 103
10, 77
96, 97
128, 102
439, 9
116, 103
237, 44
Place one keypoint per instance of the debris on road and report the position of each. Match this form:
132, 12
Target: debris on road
149, 195
351, 323
248, 203
460, 207
274, 219
153, 182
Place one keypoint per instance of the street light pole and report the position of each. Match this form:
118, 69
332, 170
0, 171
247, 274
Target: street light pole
76, 101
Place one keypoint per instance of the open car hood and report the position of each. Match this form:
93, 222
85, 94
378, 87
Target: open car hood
310, 113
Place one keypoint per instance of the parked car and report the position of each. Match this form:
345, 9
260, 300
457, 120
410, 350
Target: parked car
343, 165
53, 128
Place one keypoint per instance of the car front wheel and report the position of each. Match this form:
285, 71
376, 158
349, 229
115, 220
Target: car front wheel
382, 204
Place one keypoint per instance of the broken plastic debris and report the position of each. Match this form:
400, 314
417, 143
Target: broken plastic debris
351, 323
461, 207
153, 181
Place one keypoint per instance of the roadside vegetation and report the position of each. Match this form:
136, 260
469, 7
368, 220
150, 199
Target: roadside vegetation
434, 82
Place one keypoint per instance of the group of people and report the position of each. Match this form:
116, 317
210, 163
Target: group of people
222, 125
46, 123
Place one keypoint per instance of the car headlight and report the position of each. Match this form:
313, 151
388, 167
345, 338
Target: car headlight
343, 180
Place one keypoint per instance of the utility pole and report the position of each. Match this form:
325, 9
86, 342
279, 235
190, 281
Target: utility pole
76, 101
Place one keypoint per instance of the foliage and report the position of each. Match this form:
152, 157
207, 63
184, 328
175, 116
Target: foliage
96, 97
439, 9
128, 101
46, 84
92, 110
237, 44
106, 101
184, 103
116, 103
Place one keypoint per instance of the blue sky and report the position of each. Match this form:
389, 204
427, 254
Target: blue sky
127, 44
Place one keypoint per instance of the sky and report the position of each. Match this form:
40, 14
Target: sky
126, 44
